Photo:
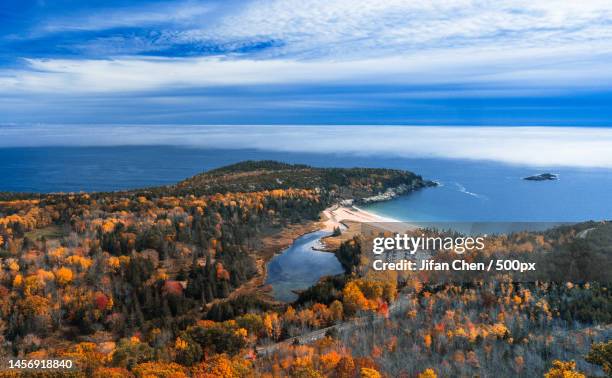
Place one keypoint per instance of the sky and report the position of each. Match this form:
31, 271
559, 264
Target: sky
387, 62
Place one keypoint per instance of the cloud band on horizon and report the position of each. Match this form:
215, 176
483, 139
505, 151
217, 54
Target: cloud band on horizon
534, 146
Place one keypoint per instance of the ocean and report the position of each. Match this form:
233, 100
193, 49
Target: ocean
469, 190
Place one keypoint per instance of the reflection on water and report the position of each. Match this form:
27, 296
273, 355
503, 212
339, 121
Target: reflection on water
300, 266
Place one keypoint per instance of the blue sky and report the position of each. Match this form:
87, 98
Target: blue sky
443, 62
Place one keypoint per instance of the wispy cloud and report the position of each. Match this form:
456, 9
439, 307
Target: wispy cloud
155, 14
500, 67
372, 27
489, 48
317, 28
550, 42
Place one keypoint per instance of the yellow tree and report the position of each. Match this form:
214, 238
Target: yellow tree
219, 366
345, 367
160, 370
428, 373
563, 369
63, 276
369, 373
601, 354
336, 310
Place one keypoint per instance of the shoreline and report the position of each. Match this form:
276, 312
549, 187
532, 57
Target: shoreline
336, 215
354, 221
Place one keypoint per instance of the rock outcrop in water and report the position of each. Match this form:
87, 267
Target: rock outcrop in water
541, 177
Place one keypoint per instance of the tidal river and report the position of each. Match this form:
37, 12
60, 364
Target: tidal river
300, 266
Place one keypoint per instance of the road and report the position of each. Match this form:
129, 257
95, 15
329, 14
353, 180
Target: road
320, 333
583, 234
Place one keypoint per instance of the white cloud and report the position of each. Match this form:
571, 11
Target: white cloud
536, 146
532, 69
530, 45
133, 17
358, 28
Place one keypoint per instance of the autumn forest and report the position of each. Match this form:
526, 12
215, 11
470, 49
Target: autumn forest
169, 282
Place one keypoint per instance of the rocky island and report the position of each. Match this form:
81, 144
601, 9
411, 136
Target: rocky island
541, 177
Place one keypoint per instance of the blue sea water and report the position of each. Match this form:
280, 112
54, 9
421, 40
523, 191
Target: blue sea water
469, 190
476, 191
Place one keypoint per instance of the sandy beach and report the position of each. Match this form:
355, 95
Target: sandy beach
342, 216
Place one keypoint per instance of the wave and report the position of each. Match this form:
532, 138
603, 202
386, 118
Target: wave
462, 189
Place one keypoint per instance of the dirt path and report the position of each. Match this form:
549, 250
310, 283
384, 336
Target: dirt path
394, 308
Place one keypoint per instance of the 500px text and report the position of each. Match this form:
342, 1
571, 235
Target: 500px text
455, 265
